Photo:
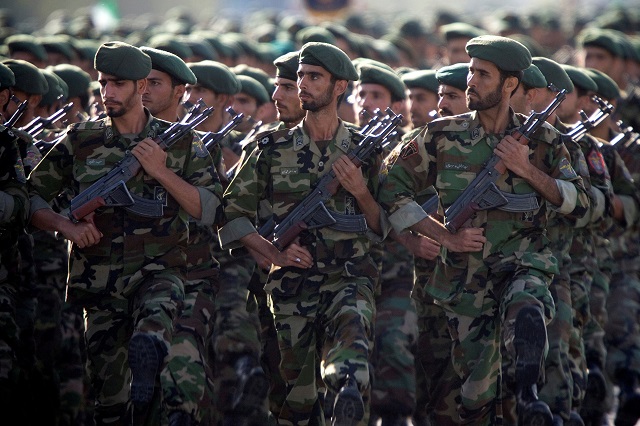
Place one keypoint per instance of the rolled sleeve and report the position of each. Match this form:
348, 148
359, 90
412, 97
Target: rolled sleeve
233, 231
407, 216
385, 227
209, 203
569, 195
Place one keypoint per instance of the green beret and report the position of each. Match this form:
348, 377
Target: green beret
257, 74
607, 88
77, 79
529, 42
358, 62
122, 60
87, 48
412, 28
460, 30
215, 76
424, 79
59, 45
170, 43
454, 75
330, 58
253, 88
372, 74
601, 38
201, 47
318, 34
533, 77
505, 53
287, 66
29, 79
580, 78
171, 64
554, 73
26, 43
55, 89
7, 79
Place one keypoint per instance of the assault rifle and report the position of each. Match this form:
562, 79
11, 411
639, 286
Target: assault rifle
9, 152
39, 124
587, 123
625, 138
311, 212
111, 189
211, 139
483, 194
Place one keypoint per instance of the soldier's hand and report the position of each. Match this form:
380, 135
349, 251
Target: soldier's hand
84, 233
295, 255
466, 240
262, 260
152, 158
349, 176
422, 246
514, 155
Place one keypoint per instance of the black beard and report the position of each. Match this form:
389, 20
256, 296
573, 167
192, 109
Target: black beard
489, 101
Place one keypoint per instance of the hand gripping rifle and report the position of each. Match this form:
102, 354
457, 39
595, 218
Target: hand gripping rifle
587, 123
311, 212
111, 189
483, 194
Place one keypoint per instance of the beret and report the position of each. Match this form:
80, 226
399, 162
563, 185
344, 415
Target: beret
29, 79
533, 77
554, 73
607, 88
122, 60
55, 89
460, 30
7, 79
253, 88
601, 38
373, 74
59, 45
505, 53
215, 76
257, 74
212, 38
77, 79
171, 64
201, 47
170, 43
454, 75
330, 58
314, 33
535, 48
412, 28
359, 62
287, 65
26, 43
424, 79
580, 78
87, 48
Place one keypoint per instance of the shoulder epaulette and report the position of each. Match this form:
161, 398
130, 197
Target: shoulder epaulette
275, 136
453, 123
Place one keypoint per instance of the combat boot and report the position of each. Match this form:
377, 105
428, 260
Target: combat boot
629, 399
593, 406
530, 339
146, 354
348, 409
252, 386
180, 418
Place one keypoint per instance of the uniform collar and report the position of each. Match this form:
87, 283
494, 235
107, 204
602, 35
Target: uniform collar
150, 130
341, 140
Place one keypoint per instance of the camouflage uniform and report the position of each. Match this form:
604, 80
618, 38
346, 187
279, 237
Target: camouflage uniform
482, 292
325, 313
130, 281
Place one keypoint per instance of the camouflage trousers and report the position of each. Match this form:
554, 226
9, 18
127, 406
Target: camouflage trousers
581, 313
622, 333
186, 380
111, 323
476, 352
320, 350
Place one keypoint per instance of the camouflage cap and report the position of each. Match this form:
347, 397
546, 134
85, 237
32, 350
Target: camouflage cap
26, 43
460, 30
607, 88
7, 79
330, 58
171, 64
423, 79
55, 89
554, 73
580, 78
77, 79
601, 38
29, 79
122, 60
505, 53
454, 75
533, 77
373, 74
252, 87
287, 65
215, 76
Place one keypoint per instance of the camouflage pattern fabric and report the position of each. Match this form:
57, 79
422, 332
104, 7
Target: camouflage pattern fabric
482, 292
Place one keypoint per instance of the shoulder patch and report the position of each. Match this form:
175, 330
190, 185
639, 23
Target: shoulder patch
276, 136
199, 148
566, 169
409, 150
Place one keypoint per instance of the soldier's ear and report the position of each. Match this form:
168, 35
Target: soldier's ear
340, 87
141, 85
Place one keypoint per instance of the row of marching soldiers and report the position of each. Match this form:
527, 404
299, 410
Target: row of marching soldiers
527, 315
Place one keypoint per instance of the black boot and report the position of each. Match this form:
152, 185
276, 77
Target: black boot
146, 354
629, 399
529, 342
348, 409
180, 418
252, 386
593, 406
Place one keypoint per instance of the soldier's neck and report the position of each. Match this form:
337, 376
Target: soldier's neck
132, 122
321, 125
495, 120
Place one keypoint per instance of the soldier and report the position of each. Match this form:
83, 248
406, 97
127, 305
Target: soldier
78, 82
452, 81
251, 102
456, 36
127, 271
31, 85
491, 278
323, 312
186, 377
423, 96
27, 48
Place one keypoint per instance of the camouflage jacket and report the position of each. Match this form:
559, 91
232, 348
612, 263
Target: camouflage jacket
284, 167
133, 246
448, 154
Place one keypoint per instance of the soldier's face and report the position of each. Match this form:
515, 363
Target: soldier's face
456, 51
119, 96
285, 97
484, 85
243, 103
160, 96
452, 101
369, 97
598, 58
421, 103
315, 87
